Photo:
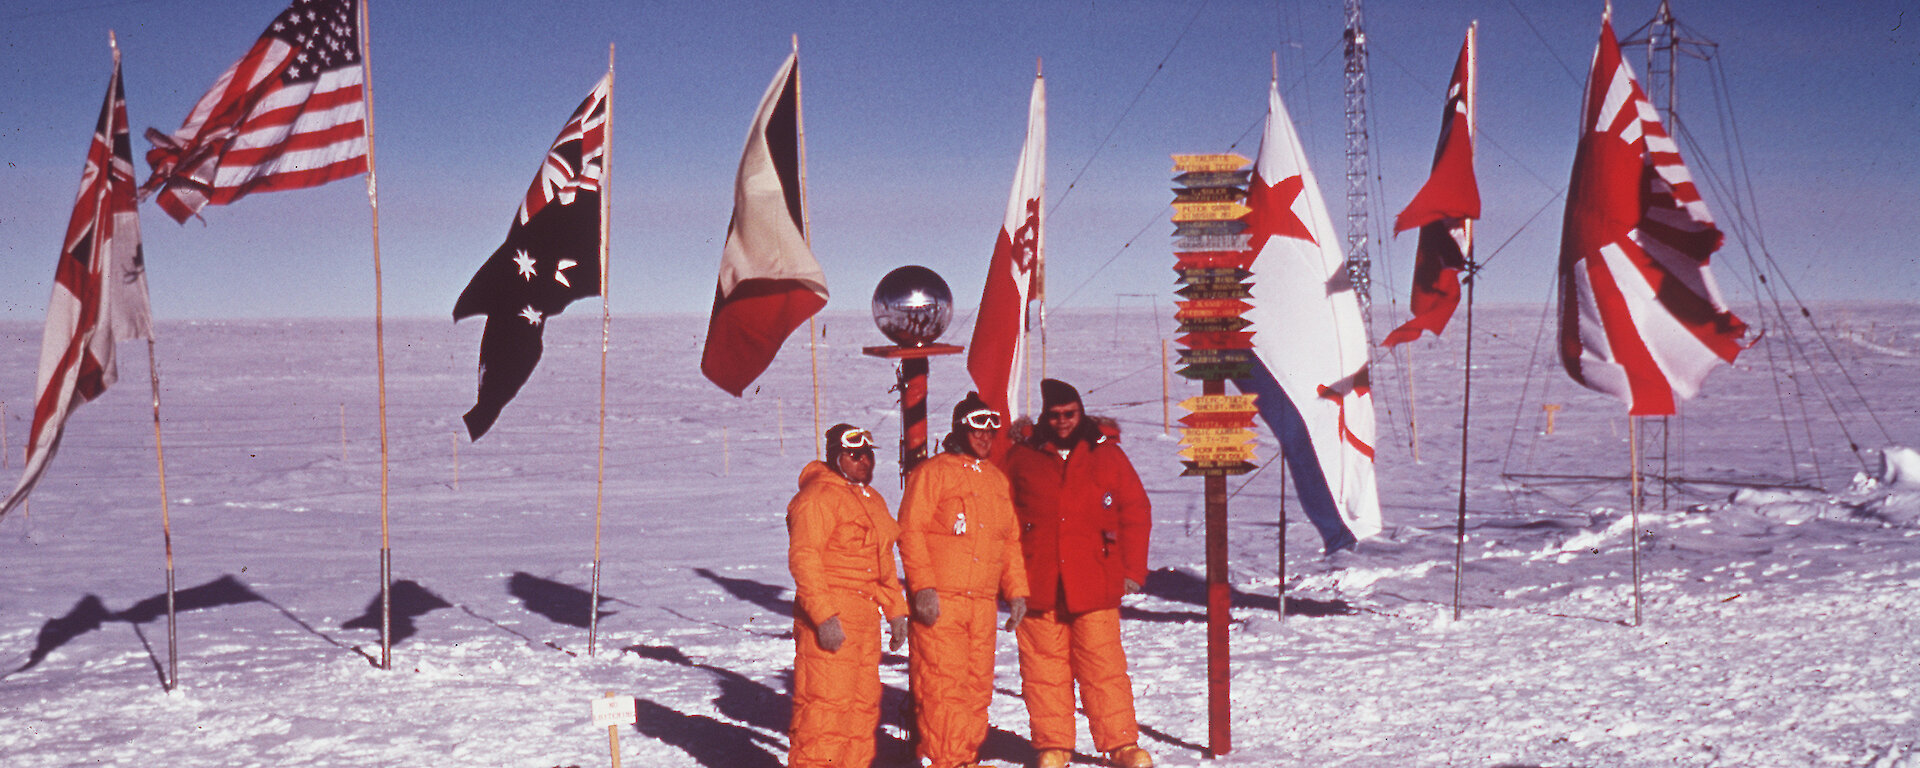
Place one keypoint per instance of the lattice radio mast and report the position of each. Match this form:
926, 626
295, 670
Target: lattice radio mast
1359, 262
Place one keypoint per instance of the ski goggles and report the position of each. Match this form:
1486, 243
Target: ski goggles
856, 439
985, 418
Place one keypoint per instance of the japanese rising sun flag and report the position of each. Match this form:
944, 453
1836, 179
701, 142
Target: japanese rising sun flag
99, 290
1640, 315
769, 280
999, 351
1441, 209
1310, 370
290, 114
552, 256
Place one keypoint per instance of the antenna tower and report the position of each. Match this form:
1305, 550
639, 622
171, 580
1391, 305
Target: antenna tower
1359, 263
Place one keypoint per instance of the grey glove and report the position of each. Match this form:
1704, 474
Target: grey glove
830, 635
1016, 610
1129, 587
926, 606
896, 634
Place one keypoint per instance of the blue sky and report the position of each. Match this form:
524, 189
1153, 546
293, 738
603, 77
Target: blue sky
914, 114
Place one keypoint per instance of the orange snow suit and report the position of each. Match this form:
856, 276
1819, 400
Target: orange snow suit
1084, 519
958, 538
841, 555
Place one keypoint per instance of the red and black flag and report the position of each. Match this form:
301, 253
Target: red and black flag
99, 290
551, 257
769, 280
290, 114
1441, 210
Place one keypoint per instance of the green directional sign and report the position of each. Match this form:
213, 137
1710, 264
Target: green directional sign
1217, 371
1216, 357
1216, 468
1208, 194
1211, 274
1226, 291
1214, 178
1231, 227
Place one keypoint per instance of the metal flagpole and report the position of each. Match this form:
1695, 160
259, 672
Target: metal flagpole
806, 235
380, 355
606, 323
1633, 493
1466, 397
1040, 266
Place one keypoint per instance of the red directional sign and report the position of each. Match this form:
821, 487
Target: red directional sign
1234, 259
1218, 340
1212, 324
1219, 420
1210, 308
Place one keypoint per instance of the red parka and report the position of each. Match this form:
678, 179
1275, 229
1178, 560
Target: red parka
1084, 523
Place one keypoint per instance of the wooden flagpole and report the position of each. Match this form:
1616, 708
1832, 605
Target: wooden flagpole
606, 324
1413, 408
160, 458
806, 234
1466, 373
380, 356
166, 517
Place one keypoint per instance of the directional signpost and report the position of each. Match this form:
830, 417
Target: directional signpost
1213, 261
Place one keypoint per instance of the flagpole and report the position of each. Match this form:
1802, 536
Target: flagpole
606, 323
1633, 493
1040, 261
1466, 374
160, 459
380, 357
806, 234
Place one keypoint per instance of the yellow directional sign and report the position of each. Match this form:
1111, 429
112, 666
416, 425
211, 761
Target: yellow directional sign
1217, 403
1226, 211
1231, 161
1216, 437
1218, 453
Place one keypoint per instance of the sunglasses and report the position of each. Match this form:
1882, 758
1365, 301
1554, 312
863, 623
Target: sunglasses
985, 418
856, 439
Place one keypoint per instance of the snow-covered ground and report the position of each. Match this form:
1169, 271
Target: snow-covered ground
1781, 621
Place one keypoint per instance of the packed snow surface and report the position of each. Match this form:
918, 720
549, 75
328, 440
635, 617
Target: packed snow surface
1779, 615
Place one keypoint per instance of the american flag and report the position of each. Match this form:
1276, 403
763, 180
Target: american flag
99, 290
290, 114
1641, 317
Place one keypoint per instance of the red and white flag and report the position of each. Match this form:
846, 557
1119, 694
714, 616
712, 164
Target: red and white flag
1640, 315
290, 114
99, 290
1441, 210
769, 281
999, 352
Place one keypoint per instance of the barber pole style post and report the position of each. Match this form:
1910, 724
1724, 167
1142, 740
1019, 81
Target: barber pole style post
1212, 262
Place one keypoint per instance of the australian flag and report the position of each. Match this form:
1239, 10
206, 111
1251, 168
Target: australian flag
550, 258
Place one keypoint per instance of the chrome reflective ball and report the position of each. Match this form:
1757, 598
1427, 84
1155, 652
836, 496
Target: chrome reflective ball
912, 306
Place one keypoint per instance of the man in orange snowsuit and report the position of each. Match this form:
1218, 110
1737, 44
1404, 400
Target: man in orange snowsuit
961, 548
841, 555
1084, 521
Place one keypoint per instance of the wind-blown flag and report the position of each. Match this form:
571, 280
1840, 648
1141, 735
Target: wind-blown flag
1310, 348
290, 114
769, 280
999, 351
1640, 315
551, 257
1441, 210
99, 290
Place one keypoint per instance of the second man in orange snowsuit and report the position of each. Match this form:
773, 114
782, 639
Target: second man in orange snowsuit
1084, 520
841, 554
961, 548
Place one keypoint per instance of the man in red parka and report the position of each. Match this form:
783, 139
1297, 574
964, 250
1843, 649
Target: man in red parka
1084, 521
841, 556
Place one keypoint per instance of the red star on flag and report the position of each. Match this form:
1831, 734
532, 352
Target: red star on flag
1273, 214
